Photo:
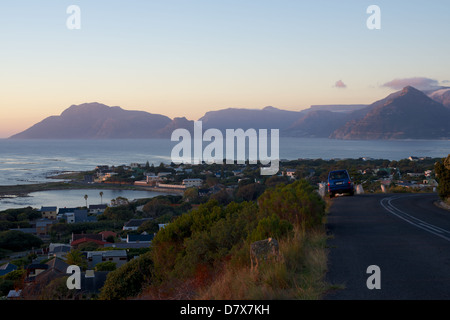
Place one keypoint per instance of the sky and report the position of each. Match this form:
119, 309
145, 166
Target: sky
187, 57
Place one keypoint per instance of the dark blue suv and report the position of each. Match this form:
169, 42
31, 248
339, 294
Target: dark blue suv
339, 182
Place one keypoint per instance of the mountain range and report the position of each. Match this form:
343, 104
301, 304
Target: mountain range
406, 114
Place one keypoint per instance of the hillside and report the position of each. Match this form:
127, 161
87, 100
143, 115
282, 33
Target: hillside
96, 121
406, 114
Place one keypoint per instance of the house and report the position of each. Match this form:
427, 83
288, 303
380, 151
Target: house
290, 173
140, 238
76, 243
58, 250
63, 211
188, 183
53, 269
43, 226
97, 208
34, 269
48, 212
14, 295
7, 268
78, 216
151, 180
164, 174
106, 234
94, 236
119, 257
162, 225
92, 282
203, 192
134, 224
77, 239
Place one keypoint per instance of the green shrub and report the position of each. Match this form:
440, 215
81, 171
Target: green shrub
128, 280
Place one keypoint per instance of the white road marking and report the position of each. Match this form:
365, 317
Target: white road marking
386, 203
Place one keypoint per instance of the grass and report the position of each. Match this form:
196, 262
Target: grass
298, 275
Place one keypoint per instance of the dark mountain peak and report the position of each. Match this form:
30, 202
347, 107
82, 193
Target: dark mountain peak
270, 108
96, 121
406, 114
409, 90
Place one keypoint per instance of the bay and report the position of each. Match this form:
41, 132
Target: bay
72, 198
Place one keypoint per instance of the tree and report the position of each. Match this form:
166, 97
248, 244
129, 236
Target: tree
297, 203
18, 241
75, 257
442, 169
101, 197
191, 194
105, 266
85, 198
149, 226
129, 280
88, 246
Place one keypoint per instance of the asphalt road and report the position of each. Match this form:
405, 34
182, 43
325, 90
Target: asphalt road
405, 235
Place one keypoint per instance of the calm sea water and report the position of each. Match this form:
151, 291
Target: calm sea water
71, 198
32, 161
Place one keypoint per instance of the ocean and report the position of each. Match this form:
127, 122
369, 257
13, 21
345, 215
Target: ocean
32, 161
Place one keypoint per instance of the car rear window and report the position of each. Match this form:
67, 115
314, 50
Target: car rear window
338, 175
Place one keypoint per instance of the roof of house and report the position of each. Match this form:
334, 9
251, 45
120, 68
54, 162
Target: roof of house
108, 253
94, 236
83, 240
97, 206
48, 209
139, 237
126, 245
7, 268
106, 234
135, 222
44, 222
59, 249
14, 294
95, 283
66, 210
37, 266
58, 265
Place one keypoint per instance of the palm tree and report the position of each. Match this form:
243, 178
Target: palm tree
85, 198
101, 197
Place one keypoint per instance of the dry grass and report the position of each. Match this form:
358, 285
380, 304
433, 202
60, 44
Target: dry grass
298, 275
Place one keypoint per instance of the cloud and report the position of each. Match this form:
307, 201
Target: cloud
419, 83
340, 84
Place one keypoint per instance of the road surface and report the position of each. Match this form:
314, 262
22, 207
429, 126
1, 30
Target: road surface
405, 235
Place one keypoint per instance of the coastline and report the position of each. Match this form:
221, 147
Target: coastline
25, 190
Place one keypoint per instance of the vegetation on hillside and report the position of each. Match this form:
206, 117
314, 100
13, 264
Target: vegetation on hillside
443, 175
198, 248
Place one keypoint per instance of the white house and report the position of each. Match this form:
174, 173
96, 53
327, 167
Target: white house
290, 173
119, 257
192, 182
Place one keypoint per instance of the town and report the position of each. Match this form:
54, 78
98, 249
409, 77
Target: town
37, 245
